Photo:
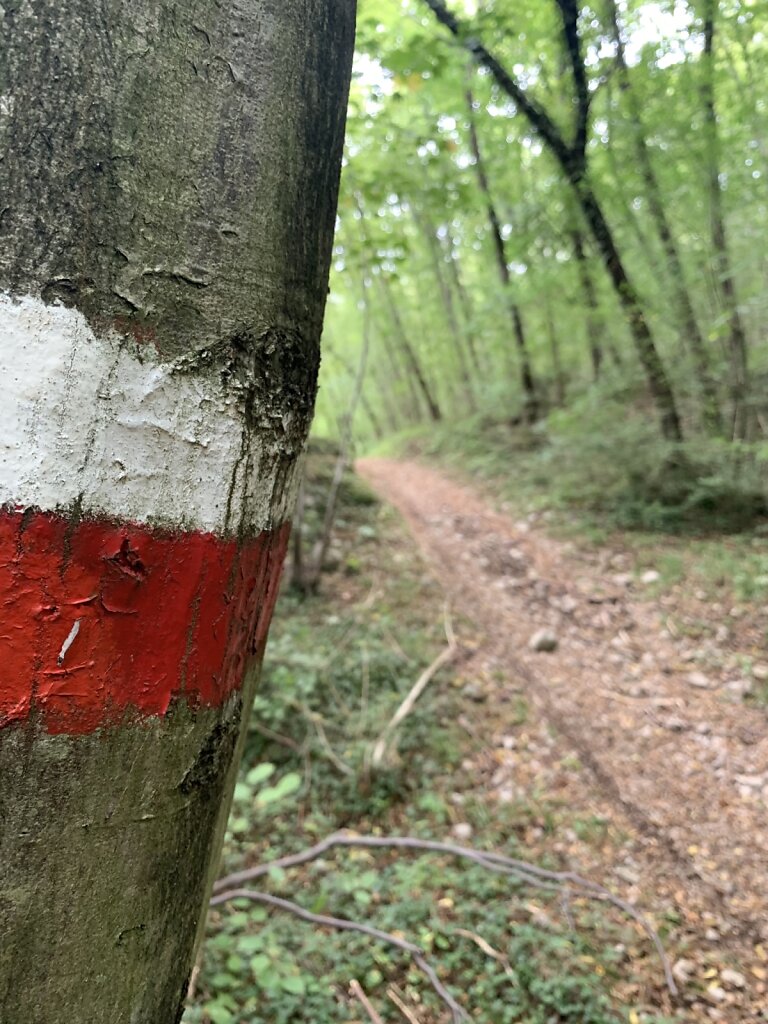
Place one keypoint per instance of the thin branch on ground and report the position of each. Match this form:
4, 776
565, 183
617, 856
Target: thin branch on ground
356, 989
566, 882
343, 924
402, 1006
325, 743
276, 737
487, 948
382, 746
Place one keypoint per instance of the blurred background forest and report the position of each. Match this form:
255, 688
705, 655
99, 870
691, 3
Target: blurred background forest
547, 325
579, 248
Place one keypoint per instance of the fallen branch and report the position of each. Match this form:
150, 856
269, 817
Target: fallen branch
276, 737
566, 882
409, 1015
382, 745
357, 991
487, 948
343, 924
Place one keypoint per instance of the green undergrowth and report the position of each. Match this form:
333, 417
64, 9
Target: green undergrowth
603, 463
337, 667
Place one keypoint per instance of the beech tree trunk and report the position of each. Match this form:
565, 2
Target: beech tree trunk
169, 182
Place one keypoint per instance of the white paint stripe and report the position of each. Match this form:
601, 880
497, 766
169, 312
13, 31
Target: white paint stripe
99, 422
68, 642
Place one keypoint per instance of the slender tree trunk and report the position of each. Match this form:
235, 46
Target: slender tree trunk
436, 259
415, 375
650, 360
590, 300
531, 407
392, 410
397, 413
726, 283
624, 205
676, 274
364, 402
409, 353
554, 348
169, 182
465, 302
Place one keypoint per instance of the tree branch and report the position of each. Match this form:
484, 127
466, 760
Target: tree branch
539, 119
527, 873
344, 924
569, 12
381, 747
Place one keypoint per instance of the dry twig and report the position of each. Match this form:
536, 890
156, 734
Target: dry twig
357, 991
343, 924
402, 1006
487, 948
382, 745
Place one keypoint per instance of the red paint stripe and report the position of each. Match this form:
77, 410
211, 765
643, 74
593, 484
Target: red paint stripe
161, 616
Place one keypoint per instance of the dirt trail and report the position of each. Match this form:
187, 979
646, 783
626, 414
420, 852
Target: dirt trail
673, 753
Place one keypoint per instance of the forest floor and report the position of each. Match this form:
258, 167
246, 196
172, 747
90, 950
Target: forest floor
647, 718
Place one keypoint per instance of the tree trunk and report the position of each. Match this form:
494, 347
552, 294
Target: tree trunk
676, 274
531, 408
554, 348
436, 258
650, 360
169, 183
465, 302
409, 353
590, 300
726, 285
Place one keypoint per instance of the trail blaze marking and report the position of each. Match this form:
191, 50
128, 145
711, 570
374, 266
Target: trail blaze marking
186, 628
148, 614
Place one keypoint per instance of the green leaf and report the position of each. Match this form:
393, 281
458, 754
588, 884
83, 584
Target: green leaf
256, 776
295, 984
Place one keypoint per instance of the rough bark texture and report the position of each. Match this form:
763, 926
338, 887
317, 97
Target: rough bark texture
170, 174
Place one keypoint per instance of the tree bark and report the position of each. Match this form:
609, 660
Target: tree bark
676, 275
590, 300
169, 182
465, 302
645, 347
554, 347
409, 353
724, 277
436, 258
531, 405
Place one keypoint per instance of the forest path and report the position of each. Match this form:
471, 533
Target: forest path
671, 755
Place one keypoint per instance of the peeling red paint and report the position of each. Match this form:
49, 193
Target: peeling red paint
161, 616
